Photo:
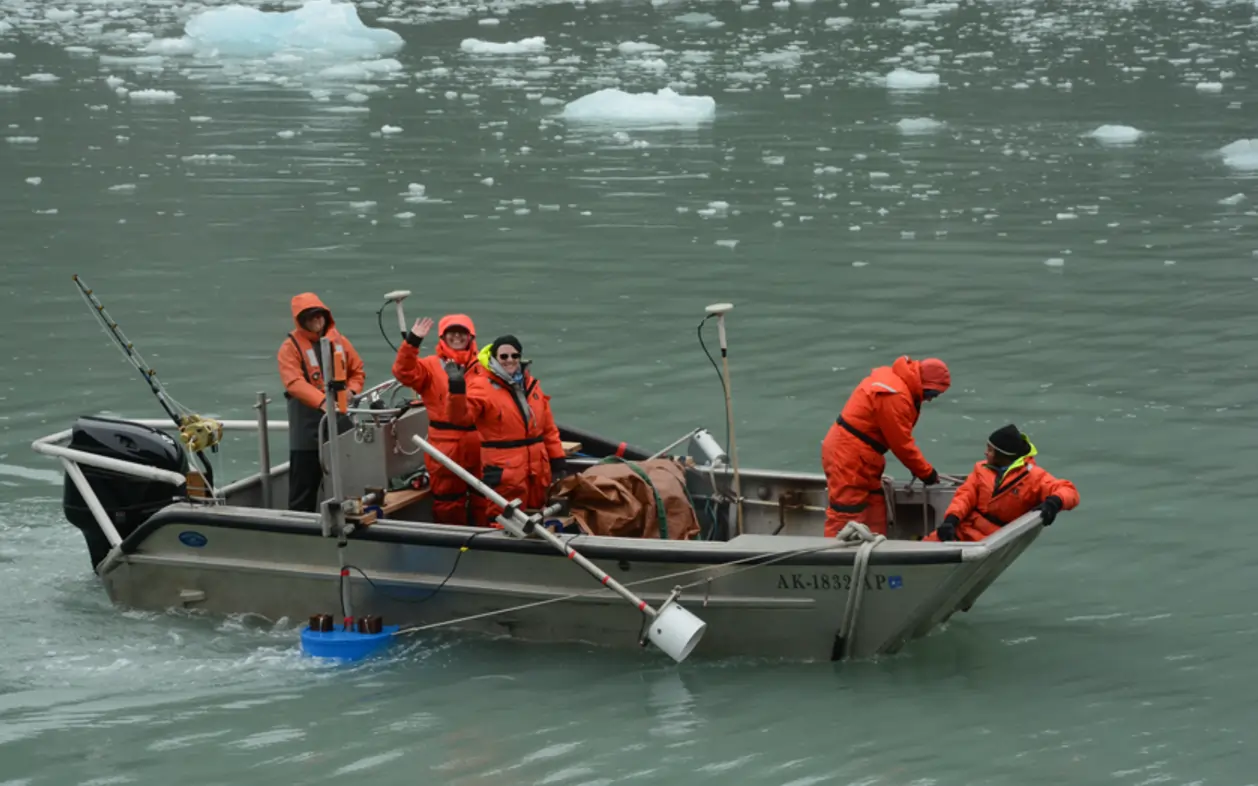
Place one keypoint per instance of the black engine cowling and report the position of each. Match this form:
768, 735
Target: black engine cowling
128, 500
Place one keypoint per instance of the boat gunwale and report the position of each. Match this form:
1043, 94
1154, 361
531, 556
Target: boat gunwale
594, 547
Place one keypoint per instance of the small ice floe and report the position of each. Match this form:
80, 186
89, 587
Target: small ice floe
1234, 199
475, 46
1209, 87
332, 29
34, 180
123, 187
636, 47
154, 96
918, 125
41, 77
362, 71
1055, 262
415, 193
388, 130
904, 79
663, 107
286, 134
22, 140
1241, 155
1116, 135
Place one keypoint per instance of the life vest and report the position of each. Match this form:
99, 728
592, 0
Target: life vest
308, 353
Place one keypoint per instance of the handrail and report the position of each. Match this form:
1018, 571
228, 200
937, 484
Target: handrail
45, 446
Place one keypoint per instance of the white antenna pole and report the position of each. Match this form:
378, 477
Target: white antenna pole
719, 309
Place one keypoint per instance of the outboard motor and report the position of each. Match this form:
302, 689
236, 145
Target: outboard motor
128, 500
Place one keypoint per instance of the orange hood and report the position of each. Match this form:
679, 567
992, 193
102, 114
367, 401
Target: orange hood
307, 300
465, 357
910, 371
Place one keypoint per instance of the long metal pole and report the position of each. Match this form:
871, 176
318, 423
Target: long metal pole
264, 450
729, 409
518, 524
329, 407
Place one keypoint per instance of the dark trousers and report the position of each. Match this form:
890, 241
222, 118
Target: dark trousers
304, 477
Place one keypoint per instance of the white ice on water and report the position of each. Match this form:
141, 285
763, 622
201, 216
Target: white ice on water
611, 105
1241, 154
904, 79
475, 46
918, 125
154, 96
1116, 134
320, 27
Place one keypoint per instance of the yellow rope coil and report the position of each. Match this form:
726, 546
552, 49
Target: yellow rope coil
199, 433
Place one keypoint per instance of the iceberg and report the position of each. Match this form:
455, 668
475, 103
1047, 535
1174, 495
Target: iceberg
320, 26
1116, 135
664, 107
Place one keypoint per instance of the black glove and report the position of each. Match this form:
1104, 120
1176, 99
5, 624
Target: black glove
1049, 509
413, 339
948, 529
491, 475
558, 468
930, 479
454, 373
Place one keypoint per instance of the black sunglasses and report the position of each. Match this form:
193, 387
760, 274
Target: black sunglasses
509, 357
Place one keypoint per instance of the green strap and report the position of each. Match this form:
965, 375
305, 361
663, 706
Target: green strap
660, 516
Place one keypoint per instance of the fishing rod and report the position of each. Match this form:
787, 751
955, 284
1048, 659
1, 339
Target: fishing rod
196, 432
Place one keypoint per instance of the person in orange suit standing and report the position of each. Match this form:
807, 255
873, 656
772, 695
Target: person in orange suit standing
305, 387
452, 501
1002, 487
879, 415
521, 453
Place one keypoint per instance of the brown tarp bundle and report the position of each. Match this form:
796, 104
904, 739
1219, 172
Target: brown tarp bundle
613, 499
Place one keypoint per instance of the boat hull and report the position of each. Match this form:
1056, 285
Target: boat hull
760, 595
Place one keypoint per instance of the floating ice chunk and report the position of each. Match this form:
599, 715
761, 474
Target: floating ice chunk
7, 55
1209, 87
123, 187
200, 118
115, 81
1055, 262
1234, 199
154, 96
651, 64
487, 22
904, 79
362, 206
838, 21
665, 107
727, 243
695, 18
320, 26
34, 180
21, 140
489, 181
918, 125
204, 158
408, 214
10, 89
170, 46
387, 129
42, 78
364, 70
1116, 135
475, 46
60, 15
636, 47
286, 134
1241, 154
5, 27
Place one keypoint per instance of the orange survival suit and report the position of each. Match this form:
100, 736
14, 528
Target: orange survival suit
519, 439
303, 375
992, 496
451, 498
879, 415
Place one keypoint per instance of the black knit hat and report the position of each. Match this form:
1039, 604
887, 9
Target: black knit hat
1009, 441
509, 340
